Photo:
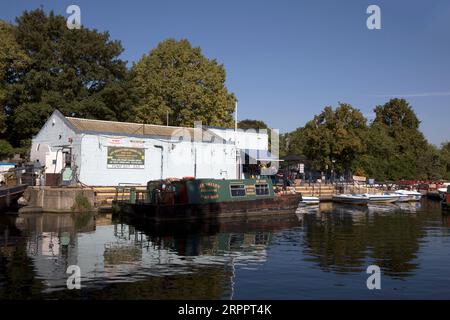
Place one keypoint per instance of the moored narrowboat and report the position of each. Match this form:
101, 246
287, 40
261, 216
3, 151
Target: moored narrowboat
205, 198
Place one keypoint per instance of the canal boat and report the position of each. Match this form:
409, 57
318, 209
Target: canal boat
205, 198
358, 199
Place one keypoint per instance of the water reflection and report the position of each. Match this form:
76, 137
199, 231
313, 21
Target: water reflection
124, 258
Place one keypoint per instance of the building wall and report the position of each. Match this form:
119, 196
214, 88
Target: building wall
89, 156
178, 160
48, 141
248, 139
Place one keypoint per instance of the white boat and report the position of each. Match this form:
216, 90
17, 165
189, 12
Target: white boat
360, 199
414, 195
310, 200
401, 197
383, 198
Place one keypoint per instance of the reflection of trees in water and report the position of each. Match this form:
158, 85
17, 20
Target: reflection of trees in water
342, 242
208, 282
17, 275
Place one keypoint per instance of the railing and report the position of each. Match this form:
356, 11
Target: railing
166, 197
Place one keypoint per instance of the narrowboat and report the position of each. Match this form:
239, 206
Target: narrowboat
205, 198
9, 196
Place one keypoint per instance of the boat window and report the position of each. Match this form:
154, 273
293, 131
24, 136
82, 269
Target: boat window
262, 190
237, 190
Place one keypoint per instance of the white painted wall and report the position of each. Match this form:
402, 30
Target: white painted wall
213, 160
89, 154
47, 142
248, 139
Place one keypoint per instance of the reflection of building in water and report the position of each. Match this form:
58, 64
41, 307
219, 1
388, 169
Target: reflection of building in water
52, 243
125, 253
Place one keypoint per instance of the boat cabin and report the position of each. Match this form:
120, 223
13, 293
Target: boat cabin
202, 191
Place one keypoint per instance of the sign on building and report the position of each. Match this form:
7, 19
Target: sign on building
126, 158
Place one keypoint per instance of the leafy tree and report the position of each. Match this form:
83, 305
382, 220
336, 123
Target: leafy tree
445, 159
12, 60
6, 150
409, 155
77, 71
175, 79
335, 138
252, 124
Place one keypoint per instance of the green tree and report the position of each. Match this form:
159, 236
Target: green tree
335, 138
12, 60
252, 124
175, 79
445, 158
77, 71
6, 150
409, 155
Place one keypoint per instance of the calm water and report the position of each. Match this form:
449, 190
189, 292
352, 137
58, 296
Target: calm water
317, 253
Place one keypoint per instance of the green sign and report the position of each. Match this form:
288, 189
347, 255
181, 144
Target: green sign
126, 158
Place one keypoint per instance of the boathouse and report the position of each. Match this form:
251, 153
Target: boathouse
108, 153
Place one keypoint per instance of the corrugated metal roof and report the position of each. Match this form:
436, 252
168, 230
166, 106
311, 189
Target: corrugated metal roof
136, 129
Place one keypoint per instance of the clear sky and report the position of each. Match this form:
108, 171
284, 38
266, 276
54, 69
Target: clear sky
286, 60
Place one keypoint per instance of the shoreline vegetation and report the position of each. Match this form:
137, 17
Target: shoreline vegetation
45, 66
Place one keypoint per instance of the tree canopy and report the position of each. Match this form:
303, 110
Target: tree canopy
335, 137
391, 148
252, 124
177, 81
76, 71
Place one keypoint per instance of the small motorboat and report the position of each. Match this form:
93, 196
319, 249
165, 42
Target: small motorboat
359, 199
401, 197
310, 200
383, 198
414, 195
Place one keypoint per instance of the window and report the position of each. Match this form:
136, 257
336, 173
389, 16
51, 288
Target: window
237, 190
262, 190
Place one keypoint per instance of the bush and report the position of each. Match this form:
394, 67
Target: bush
6, 150
81, 204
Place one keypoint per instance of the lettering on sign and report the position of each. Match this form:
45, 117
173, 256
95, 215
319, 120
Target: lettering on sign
126, 158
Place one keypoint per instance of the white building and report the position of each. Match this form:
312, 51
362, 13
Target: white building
107, 153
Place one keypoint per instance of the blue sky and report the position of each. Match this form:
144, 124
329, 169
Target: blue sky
286, 60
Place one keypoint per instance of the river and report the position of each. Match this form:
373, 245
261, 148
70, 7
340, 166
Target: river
320, 252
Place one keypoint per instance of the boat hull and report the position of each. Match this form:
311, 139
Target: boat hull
383, 200
348, 200
10, 195
277, 205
